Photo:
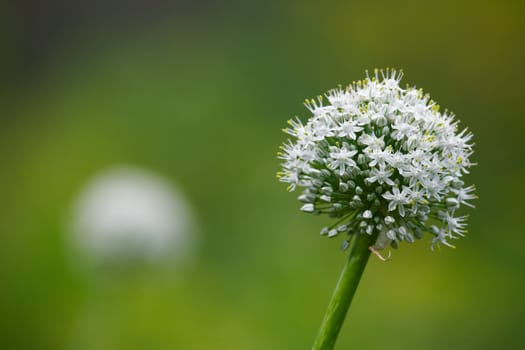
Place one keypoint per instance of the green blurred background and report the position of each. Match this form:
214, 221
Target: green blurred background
198, 92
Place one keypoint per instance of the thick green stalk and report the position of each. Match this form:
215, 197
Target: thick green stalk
344, 291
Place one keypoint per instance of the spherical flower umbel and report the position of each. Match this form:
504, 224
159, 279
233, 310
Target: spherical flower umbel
381, 159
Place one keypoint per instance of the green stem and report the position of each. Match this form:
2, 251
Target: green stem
344, 291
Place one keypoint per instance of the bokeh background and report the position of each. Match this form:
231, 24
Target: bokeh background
197, 92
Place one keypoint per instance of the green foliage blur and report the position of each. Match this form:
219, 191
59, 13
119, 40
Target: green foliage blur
201, 98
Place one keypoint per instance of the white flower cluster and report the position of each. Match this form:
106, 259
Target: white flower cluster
381, 159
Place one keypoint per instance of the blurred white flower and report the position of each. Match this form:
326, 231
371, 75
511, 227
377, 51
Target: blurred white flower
381, 159
129, 214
